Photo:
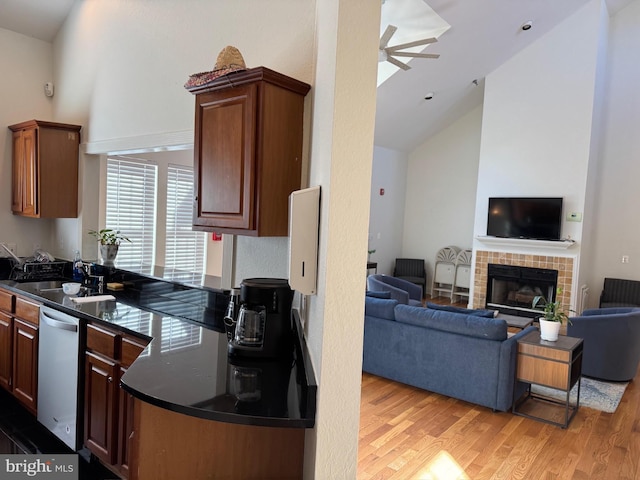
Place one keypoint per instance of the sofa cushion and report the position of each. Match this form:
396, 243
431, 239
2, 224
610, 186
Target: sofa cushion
380, 307
470, 325
378, 294
466, 311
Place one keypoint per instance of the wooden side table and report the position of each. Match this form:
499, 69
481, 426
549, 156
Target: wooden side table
557, 365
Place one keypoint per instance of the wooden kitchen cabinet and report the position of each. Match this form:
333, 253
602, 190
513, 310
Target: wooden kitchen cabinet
6, 350
26, 321
7, 302
45, 169
25, 363
19, 348
131, 349
108, 415
247, 152
100, 407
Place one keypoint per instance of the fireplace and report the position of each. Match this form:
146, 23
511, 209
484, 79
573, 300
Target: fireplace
511, 289
564, 265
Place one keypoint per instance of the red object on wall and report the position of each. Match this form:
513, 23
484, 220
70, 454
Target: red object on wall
381, 191
216, 237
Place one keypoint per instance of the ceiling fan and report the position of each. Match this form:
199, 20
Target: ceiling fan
388, 53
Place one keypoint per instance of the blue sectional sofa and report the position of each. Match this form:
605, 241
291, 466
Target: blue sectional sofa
457, 355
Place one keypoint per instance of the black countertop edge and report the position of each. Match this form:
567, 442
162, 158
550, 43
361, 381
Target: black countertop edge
225, 417
310, 387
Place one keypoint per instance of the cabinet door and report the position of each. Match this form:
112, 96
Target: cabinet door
6, 347
225, 158
25, 363
30, 180
24, 183
125, 427
131, 349
17, 172
100, 412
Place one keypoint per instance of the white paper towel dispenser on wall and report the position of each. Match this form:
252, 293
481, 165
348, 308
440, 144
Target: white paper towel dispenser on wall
304, 223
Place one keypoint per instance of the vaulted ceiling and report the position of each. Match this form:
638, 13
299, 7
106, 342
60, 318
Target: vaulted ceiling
481, 36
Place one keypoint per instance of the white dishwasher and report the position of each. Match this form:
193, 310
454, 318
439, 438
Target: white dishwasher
58, 363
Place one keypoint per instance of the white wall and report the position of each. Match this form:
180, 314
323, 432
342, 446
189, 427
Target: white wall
121, 66
536, 127
26, 64
386, 217
441, 191
617, 229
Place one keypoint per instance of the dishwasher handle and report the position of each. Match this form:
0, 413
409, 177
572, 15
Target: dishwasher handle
55, 323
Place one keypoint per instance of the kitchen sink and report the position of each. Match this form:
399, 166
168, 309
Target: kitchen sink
43, 285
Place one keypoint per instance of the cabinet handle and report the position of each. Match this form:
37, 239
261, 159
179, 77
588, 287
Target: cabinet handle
110, 379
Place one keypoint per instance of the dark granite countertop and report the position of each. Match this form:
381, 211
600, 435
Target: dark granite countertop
185, 367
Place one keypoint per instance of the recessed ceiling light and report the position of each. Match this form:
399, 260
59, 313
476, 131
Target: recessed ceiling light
527, 25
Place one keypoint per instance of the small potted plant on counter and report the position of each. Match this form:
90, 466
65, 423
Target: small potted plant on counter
553, 316
109, 241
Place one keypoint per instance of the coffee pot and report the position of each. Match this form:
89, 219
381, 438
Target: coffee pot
263, 325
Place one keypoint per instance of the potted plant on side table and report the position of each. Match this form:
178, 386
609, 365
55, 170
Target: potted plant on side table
109, 241
553, 316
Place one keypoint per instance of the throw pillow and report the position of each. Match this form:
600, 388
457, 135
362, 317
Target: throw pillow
379, 307
469, 325
466, 311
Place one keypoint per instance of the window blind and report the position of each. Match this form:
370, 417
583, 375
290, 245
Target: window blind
184, 250
131, 208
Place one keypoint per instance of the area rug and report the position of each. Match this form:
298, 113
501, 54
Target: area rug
596, 394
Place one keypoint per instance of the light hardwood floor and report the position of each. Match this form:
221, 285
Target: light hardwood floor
409, 433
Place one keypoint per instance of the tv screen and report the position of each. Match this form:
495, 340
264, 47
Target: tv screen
534, 218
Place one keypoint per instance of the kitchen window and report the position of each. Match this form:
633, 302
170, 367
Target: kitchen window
184, 248
151, 202
131, 208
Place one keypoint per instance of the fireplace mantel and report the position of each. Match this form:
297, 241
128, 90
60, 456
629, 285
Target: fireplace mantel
549, 245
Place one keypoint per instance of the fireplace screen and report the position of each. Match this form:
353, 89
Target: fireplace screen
511, 289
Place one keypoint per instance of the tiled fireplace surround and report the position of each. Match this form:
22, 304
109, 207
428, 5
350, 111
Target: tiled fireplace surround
564, 266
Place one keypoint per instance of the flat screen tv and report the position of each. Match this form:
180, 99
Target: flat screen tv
534, 218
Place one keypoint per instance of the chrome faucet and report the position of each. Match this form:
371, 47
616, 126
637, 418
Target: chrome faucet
90, 281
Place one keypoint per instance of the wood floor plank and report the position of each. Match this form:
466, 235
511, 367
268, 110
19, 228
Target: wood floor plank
409, 433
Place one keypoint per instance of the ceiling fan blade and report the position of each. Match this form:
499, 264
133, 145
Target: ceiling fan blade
386, 36
402, 46
415, 55
398, 63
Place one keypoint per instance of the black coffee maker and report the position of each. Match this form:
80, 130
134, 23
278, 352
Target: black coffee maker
263, 324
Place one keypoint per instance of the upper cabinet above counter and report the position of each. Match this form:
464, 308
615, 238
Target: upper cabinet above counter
45, 169
247, 152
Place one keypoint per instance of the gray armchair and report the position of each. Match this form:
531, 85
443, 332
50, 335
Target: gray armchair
403, 291
619, 292
412, 270
611, 342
